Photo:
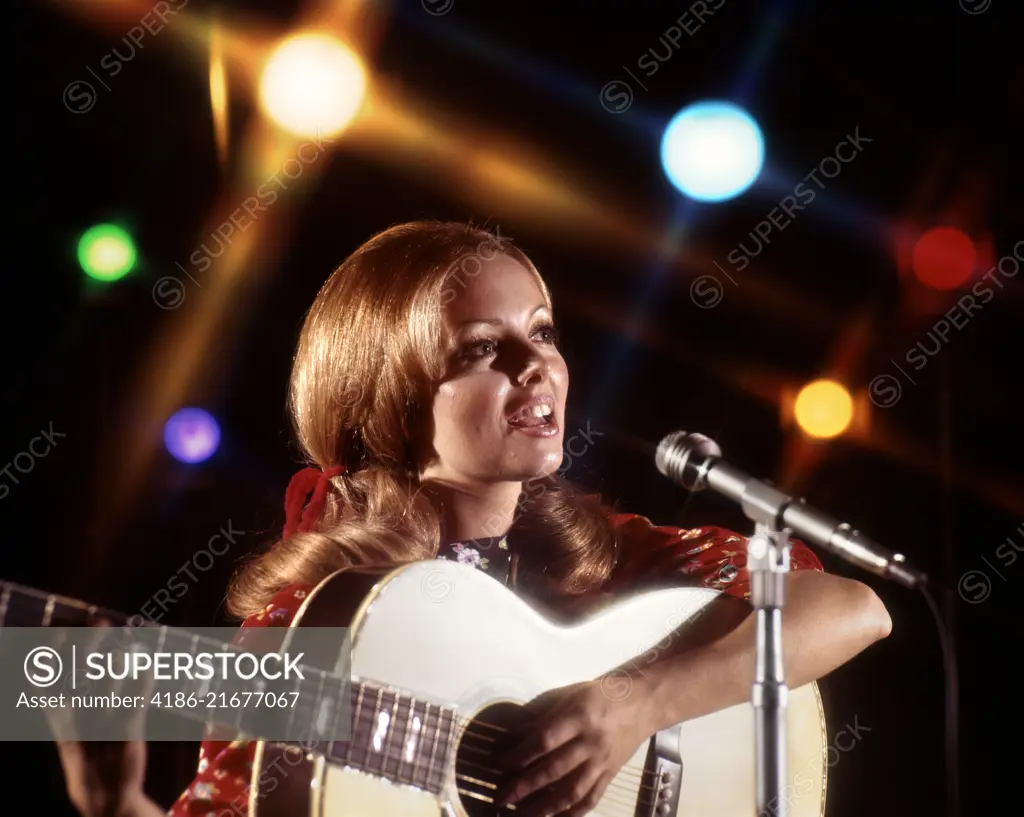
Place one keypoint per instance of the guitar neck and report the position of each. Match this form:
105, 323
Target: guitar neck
392, 734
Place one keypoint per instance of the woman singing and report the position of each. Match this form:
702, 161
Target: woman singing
428, 394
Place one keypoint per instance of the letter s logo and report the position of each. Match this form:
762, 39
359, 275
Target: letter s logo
43, 666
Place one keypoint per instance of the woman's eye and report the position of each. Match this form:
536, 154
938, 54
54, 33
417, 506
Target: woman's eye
550, 334
479, 349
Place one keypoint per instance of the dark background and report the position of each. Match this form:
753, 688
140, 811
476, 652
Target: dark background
935, 90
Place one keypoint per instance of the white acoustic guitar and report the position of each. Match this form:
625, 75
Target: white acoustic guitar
442, 659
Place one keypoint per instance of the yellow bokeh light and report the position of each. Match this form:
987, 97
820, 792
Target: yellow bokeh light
312, 85
823, 409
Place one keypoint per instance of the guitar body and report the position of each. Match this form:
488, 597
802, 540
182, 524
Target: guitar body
455, 639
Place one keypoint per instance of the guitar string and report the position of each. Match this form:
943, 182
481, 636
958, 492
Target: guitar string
614, 786
636, 795
629, 803
392, 710
634, 789
625, 775
396, 705
605, 802
626, 771
468, 732
622, 782
615, 791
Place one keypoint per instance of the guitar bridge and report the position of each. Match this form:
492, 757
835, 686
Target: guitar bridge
664, 769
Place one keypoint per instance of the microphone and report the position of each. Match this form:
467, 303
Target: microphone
694, 462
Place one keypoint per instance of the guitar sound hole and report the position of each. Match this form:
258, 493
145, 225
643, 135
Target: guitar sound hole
492, 732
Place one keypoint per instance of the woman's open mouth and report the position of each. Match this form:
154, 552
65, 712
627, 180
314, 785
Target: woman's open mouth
536, 419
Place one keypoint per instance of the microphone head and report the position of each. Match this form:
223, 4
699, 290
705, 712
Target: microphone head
681, 457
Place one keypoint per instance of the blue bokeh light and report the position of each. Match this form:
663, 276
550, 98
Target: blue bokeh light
191, 435
712, 151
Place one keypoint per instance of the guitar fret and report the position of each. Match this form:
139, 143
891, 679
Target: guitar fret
431, 769
450, 747
355, 725
392, 728
406, 740
316, 718
48, 612
330, 735
362, 735
421, 760
398, 738
27, 607
408, 752
375, 726
5, 600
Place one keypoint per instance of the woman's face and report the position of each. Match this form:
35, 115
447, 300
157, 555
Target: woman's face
499, 411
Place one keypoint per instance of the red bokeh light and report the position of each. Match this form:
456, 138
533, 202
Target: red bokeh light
944, 258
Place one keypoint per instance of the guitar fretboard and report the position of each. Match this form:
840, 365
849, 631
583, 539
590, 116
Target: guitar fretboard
392, 735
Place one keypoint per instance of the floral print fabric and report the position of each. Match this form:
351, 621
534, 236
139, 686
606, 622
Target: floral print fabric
707, 556
491, 555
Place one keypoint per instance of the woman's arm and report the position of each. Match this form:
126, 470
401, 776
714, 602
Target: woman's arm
144, 807
585, 734
826, 621
105, 778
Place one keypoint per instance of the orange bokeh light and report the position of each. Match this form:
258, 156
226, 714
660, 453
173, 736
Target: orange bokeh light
823, 409
944, 258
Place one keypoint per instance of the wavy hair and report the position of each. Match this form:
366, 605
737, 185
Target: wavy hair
368, 359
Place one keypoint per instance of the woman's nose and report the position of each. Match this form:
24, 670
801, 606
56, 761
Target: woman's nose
534, 370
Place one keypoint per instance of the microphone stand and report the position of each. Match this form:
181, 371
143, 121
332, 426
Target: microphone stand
694, 462
768, 553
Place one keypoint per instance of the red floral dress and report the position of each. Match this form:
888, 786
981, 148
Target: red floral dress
709, 556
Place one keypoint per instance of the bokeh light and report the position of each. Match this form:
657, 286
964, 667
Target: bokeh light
106, 252
944, 258
312, 85
191, 435
823, 409
712, 151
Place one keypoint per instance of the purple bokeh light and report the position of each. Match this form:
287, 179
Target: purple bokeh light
191, 435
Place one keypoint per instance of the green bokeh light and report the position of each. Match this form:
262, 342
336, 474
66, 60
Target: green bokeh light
106, 252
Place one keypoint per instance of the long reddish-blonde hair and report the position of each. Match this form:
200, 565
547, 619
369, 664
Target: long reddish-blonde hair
368, 360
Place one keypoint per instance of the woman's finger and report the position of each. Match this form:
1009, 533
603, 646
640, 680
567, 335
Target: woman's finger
550, 768
562, 795
558, 731
589, 801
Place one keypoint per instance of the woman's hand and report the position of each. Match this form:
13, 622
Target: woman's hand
104, 778
581, 739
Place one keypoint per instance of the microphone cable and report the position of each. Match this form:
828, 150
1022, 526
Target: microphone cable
951, 704
947, 636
